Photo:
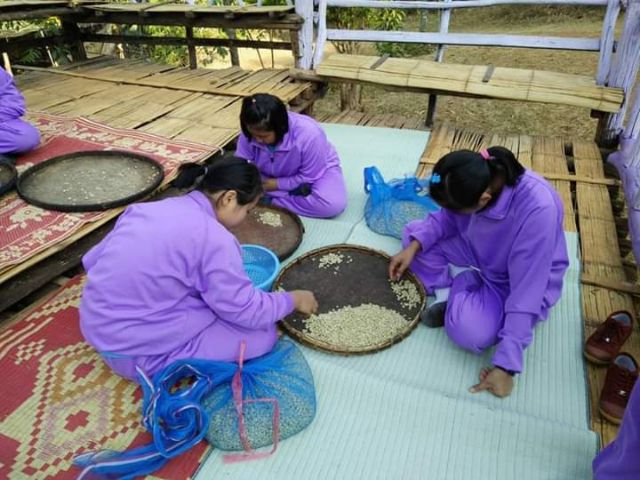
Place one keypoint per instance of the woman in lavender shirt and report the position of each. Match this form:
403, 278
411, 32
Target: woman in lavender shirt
168, 282
300, 169
494, 256
16, 135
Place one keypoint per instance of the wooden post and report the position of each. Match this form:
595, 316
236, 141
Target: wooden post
193, 58
632, 130
623, 74
304, 8
445, 18
321, 38
231, 33
72, 36
606, 41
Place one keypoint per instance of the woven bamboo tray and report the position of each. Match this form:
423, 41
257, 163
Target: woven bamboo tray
282, 239
362, 278
90, 181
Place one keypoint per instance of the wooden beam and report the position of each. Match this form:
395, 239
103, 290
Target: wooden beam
247, 21
199, 42
191, 48
607, 41
36, 14
304, 8
624, 74
616, 285
487, 40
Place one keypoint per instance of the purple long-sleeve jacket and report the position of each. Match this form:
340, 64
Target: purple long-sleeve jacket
11, 100
303, 155
167, 271
519, 247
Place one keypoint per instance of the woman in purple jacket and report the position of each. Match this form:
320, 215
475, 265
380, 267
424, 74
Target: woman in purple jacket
168, 282
494, 256
16, 135
300, 169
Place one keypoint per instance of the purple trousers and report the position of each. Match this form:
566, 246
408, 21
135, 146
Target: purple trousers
327, 199
620, 460
220, 341
18, 136
475, 307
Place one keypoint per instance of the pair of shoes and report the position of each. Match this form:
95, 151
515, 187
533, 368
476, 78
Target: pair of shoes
603, 348
433, 316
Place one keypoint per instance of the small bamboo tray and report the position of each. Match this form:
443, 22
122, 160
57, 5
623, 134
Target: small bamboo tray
281, 239
361, 278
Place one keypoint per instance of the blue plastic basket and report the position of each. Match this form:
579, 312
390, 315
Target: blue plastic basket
261, 264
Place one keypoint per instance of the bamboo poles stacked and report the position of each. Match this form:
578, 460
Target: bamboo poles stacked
474, 80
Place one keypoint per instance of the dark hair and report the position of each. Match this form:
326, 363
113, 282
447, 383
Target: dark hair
226, 173
460, 178
263, 111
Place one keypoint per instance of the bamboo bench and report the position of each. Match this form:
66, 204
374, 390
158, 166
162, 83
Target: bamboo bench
479, 81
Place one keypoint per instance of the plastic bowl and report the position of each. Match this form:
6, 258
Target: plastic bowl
261, 265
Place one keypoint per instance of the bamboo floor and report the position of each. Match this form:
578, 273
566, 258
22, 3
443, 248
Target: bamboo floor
200, 105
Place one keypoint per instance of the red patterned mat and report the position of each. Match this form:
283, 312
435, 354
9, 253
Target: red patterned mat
28, 230
59, 399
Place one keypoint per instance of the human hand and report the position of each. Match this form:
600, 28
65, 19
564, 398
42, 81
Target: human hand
401, 261
269, 184
495, 380
304, 302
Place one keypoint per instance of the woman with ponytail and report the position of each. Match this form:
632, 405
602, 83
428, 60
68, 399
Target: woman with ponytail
300, 169
168, 282
494, 256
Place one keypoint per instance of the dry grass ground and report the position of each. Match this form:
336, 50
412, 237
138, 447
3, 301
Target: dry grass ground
497, 115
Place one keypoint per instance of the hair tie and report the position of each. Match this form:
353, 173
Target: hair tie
253, 100
205, 171
485, 154
435, 179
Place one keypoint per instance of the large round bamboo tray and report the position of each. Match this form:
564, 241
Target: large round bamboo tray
361, 278
89, 181
282, 238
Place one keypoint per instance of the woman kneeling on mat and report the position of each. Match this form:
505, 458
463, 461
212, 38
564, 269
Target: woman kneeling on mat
300, 168
16, 135
168, 282
494, 256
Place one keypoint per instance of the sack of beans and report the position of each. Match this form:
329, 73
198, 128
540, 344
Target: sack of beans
391, 205
278, 400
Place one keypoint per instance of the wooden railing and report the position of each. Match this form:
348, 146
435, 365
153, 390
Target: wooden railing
616, 70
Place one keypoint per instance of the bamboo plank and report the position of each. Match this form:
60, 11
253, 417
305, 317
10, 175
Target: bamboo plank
119, 78
505, 83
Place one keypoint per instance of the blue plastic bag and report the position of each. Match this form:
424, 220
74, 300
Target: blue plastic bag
283, 375
392, 205
180, 413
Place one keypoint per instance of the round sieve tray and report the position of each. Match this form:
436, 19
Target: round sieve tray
361, 277
272, 227
8, 176
90, 181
